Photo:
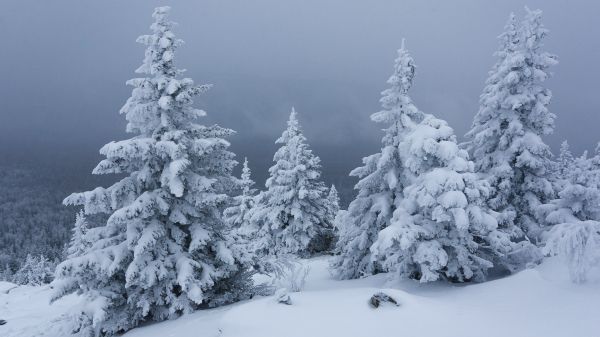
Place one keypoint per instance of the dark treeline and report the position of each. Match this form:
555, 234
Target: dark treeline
32, 217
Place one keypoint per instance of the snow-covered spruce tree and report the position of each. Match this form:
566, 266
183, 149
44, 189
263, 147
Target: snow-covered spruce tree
236, 214
333, 203
24, 274
291, 213
242, 230
162, 251
565, 160
79, 243
506, 137
575, 214
382, 177
442, 227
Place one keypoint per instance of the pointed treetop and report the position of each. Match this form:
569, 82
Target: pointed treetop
246, 172
293, 120
533, 28
160, 16
161, 45
509, 39
246, 178
597, 149
293, 128
404, 70
246, 168
164, 10
333, 193
396, 103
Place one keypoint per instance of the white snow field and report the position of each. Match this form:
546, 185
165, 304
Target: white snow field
538, 302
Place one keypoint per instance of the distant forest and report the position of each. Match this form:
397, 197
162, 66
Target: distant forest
32, 217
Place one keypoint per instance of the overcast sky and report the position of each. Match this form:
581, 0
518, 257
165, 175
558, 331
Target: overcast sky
64, 65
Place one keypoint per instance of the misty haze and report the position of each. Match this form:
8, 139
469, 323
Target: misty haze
299, 168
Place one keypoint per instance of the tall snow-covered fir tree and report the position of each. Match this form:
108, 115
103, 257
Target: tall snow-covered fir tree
291, 213
162, 251
442, 227
506, 137
382, 177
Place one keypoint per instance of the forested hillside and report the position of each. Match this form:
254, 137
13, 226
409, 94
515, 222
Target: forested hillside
32, 217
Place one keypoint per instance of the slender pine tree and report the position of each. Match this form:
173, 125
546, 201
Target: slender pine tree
382, 177
292, 213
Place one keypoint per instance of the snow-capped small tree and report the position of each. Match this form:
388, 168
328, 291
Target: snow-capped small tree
442, 227
236, 215
506, 137
35, 270
333, 203
291, 213
578, 244
382, 177
24, 274
79, 243
565, 160
242, 230
163, 250
575, 216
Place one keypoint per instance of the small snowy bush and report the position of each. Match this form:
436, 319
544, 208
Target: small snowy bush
578, 244
290, 275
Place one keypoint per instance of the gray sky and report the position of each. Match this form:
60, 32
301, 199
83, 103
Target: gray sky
65, 63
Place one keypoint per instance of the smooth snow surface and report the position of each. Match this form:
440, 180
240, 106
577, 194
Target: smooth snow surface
536, 302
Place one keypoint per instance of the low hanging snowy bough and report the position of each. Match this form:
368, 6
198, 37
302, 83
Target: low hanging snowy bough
578, 245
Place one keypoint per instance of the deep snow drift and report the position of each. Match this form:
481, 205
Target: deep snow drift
535, 302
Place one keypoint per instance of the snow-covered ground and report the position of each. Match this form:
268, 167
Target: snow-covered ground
534, 303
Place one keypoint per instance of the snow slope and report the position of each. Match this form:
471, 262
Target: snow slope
535, 302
